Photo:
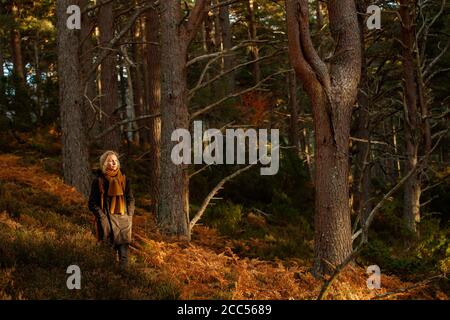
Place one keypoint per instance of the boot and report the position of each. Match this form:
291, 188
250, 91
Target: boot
123, 256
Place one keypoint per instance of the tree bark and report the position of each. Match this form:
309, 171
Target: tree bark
108, 76
38, 77
128, 113
16, 48
306, 150
153, 59
254, 51
227, 43
361, 176
74, 146
209, 46
293, 106
137, 79
91, 117
411, 208
393, 164
319, 15
2, 59
17, 58
332, 91
173, 210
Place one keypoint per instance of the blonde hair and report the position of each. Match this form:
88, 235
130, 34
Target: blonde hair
105, 156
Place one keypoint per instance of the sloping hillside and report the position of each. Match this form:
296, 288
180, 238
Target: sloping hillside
45, 227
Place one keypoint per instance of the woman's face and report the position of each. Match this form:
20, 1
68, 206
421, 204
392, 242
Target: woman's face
111, 162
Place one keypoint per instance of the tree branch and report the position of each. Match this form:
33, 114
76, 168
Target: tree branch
116, 38
363, 231
431, 76
213, 192
296, 56
402, 290
93, 7
209, 107
337, 271
435, 60
223, 52
202, 85
114, 126
199, 170
365, 228
225, 3
308, 49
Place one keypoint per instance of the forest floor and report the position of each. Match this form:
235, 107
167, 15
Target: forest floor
45, 226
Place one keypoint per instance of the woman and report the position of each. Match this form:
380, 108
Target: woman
111, 201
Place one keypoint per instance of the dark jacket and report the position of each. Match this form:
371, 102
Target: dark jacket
106, 222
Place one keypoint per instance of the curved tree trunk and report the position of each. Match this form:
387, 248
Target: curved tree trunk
332, 91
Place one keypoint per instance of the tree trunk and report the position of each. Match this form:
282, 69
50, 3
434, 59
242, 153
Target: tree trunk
293, 106
128, 96
91, 117
137, 80
411, 208
254, 51
220, 88
332, 214
319, 15
14, 42
332, 91
153, 59
2, 59
74, 146
361, 176
123, 89
306, 151
422, 99
38, 77
108, 76
394, 162
173, 212
16, 55
209, 47
224, 18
